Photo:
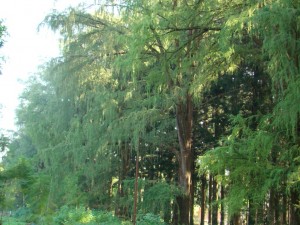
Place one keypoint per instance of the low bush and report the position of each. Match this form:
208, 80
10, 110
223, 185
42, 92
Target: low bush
149, 219
7, 220
77, 216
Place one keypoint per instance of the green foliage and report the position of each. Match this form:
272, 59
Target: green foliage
242, 163
4, 141
2, 36
149, 219
2, 33
76, 216
24, 191
8, 220
23, 214
258, 156
20, 146
158, 197
115, 90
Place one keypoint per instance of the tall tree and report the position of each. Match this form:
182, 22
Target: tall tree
171, 48
154, 83
2, 35
265, 141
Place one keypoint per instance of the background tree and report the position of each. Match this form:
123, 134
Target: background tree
256, 139
145, 91
2, 35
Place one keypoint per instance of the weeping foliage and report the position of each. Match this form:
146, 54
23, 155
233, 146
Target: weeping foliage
113, 95
260, 158
243, 164
90, 106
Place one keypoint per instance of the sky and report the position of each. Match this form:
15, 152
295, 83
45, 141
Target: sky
25, 48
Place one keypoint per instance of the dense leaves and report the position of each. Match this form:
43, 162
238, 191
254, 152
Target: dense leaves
156, 107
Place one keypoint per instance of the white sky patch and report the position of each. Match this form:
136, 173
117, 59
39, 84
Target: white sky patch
25, 48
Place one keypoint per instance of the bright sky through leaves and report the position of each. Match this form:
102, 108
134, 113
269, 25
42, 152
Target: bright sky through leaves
25, 48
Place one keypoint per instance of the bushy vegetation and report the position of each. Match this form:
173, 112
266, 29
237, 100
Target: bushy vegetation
8, 220
81, 215
156, 106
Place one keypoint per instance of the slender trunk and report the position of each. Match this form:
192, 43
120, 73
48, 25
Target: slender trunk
203, 208
235, 220
222, 214
209, 198
251, 213
284, 209
295, 211
214, 218
271, 208
259, 214
175, 218
136, 188
192, 200
273, 216
276, 208
122, 210
184, 118
217, 133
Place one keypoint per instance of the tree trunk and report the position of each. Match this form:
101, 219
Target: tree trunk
235, 220
184, 119
214, 216
192, 196
276, 209
136, 188
222, 214
183, 203
271, 208
209, 198
273, 216
251, 212
260, 214
175, 218
295, 211
284, 209
121, 210
203, 208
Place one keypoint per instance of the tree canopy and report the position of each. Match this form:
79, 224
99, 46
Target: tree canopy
157, 108
2, 36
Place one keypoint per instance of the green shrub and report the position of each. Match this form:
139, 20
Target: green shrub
106, 218
12, 221
23, 214
149, 219
126, 223
77, 216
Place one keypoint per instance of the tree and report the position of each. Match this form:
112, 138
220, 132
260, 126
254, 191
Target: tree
261, 146
171, 47
143, 88
2, 35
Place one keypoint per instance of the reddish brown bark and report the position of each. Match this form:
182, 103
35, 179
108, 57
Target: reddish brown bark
184, 118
